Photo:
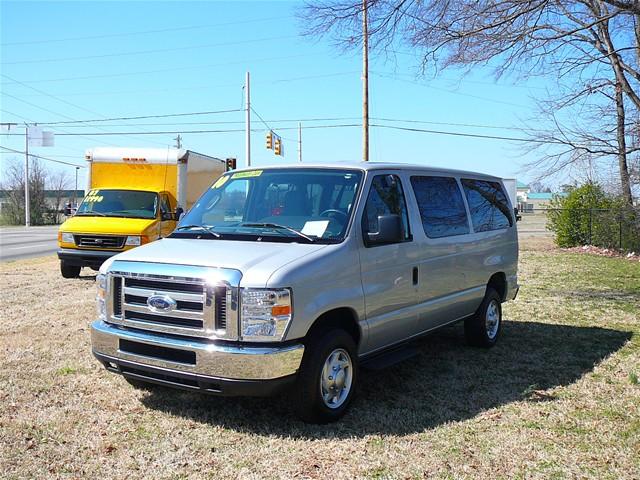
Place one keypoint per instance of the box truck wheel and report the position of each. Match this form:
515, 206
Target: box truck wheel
69, 271
327, 377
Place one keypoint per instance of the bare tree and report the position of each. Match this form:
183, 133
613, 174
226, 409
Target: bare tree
589, 46
13, 189
58, 183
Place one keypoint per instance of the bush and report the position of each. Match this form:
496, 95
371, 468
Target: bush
588, 216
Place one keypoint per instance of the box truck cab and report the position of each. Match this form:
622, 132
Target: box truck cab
134, 196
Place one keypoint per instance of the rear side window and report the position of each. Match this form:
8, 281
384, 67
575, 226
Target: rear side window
441, 206
488, 205
386, 198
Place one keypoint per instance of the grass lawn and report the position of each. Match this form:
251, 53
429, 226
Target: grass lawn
558, 397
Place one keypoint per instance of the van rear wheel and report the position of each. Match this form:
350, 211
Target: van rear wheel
69, 271
483, 328
327, 377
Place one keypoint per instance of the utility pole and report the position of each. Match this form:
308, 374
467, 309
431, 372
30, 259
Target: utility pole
178, 140
248, 122
75, 192
300, 141
365, 83
27, 213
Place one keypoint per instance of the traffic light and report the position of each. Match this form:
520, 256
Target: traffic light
278, 146
231, 164
270, 140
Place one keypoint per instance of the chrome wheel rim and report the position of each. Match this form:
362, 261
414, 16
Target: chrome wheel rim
336, 378
492, 319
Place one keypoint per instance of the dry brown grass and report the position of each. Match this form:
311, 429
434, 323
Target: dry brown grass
557, 398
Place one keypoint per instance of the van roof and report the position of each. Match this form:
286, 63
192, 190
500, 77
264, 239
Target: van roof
372, 166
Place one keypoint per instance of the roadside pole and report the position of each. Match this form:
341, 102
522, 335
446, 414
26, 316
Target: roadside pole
300, 141
27, 212
75, 192
365, 83
248, 122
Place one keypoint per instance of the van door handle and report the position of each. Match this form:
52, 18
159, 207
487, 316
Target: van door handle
415, 275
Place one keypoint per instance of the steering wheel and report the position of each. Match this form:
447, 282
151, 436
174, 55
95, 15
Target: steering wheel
333, 210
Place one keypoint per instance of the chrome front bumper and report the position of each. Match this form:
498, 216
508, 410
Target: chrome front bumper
192, 357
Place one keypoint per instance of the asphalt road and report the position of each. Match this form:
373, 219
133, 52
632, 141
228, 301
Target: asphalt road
23, 242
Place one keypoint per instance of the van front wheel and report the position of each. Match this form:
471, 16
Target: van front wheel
483, 328
327, 377
69, 271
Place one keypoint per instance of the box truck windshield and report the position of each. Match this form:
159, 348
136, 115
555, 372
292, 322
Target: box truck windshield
119, 203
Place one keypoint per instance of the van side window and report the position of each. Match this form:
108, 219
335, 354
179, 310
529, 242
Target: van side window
441, 206
488, 205
386, 197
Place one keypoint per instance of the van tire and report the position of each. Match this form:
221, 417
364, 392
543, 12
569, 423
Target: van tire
481, 329
69, 271
309, 403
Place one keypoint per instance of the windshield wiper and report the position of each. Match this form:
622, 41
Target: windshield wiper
91, 214
275, 225
201, 227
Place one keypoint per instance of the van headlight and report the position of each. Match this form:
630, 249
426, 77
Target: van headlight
265, 313
101, 296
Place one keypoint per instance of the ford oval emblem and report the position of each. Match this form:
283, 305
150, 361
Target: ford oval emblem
161, 303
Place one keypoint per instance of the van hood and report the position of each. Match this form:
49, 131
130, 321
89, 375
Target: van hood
257, 261
107, 225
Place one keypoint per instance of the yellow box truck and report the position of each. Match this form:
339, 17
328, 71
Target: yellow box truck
134, 196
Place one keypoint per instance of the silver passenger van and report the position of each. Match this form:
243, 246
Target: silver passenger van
290, 277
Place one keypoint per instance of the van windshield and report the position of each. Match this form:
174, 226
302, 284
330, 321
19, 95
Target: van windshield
119, 203
298, 204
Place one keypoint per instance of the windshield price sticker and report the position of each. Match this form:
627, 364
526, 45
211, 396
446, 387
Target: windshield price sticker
252, 173
94, 198
220, 182
315, 228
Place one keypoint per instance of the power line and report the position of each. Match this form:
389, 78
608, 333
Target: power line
145, 52
162, 70
268, 123
50, 111
43, 158
261, 119
464, 134
226, 122
59, 99
394, 127
173, 132
143, 32
140, 117
53, 155
453, 92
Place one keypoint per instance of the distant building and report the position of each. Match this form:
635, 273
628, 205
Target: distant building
522, 189
537, 200
51, 197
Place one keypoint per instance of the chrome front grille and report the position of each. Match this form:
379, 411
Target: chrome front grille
99, 241
197, 306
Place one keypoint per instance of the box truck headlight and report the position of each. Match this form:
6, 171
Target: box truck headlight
66, 237
265, 313
101, 306
133, 240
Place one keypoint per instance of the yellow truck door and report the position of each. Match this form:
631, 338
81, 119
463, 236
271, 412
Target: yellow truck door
167, 220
